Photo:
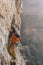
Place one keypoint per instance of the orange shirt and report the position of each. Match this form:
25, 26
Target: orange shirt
14, 39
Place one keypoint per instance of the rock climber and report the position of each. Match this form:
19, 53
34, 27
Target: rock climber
13, 39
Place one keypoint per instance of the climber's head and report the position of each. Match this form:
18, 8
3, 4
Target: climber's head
12, 29
13, 32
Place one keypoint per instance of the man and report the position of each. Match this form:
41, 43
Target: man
13, 39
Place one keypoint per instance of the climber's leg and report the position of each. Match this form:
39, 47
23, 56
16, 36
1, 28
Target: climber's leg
12, 51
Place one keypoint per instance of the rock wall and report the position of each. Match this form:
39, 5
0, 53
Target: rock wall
10, 14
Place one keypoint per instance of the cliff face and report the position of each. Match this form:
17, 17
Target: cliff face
10, 14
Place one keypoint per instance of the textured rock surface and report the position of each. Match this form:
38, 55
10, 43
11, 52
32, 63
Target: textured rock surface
10, 13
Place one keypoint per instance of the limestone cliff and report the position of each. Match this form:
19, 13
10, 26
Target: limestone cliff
10, 14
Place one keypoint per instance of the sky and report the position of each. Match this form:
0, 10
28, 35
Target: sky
33, 7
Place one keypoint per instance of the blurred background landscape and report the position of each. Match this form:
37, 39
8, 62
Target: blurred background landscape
32, 31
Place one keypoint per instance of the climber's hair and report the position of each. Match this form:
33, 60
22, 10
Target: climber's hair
13, 31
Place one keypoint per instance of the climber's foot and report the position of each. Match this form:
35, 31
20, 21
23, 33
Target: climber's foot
14, 57
12, 63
